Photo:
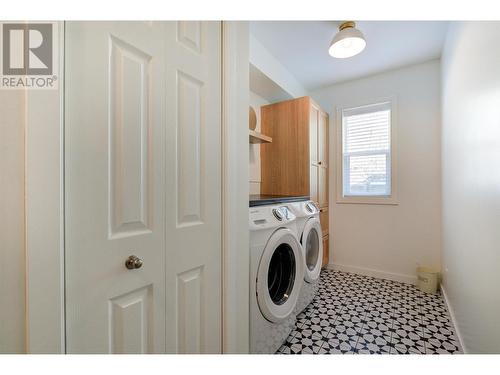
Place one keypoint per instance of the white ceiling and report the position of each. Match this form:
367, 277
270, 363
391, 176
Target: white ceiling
302, 47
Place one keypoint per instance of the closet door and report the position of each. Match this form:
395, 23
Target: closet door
114, 187
142, 185
193, 187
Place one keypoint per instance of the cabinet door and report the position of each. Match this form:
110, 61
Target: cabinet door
323, 219
323, 159
313, 134
323, 139
313, 183
322, 186
326, 251
313, 152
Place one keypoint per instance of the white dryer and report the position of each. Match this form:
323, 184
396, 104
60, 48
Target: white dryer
311, 240
276, 274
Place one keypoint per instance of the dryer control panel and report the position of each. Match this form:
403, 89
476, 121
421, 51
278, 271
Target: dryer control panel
270, 216
311, 207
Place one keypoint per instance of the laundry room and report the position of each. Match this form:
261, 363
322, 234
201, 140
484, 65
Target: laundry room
345, 150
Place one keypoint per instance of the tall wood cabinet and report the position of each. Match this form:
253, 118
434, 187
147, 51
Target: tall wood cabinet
296, 162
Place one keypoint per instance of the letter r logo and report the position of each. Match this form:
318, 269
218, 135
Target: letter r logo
27, 49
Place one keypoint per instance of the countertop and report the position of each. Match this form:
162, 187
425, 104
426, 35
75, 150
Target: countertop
264, 200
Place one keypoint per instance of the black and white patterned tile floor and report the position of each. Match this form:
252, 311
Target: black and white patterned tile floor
354, 314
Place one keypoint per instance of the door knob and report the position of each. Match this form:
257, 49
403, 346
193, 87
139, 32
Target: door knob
133, 262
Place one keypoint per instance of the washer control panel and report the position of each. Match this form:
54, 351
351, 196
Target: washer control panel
282, 213
278, 214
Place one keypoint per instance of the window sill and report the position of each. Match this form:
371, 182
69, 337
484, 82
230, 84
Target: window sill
392, 201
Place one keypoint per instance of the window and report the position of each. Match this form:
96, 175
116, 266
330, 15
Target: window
366, 135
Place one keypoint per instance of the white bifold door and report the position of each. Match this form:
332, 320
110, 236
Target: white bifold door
143, 187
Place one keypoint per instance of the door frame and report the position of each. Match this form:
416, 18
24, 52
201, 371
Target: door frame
44, 192
44, 211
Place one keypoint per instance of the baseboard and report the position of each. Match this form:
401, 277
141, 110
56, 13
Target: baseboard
452, 317
408, 279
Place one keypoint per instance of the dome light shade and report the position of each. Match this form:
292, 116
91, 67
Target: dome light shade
348, 42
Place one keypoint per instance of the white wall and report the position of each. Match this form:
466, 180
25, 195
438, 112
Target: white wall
386, 240
31, 292
44, 226
12, 265
471, 182
274, 80
235, 183
263, 60
44, 216
256, 102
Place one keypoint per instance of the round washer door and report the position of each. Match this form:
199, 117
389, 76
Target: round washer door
280, 274
312, 247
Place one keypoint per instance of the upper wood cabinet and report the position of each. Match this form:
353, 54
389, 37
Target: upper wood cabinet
296, 163
322, 159
314, 133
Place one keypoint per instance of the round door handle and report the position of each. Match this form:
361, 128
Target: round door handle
319, 163
133, 262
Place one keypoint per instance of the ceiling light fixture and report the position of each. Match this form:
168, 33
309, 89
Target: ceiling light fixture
348, 42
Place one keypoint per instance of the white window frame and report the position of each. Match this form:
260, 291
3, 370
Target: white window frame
391, 199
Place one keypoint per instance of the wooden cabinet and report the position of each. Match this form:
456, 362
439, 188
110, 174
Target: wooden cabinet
318, 150
324, 220
325, 253
322, 159
314, 157
296, 162
323, 182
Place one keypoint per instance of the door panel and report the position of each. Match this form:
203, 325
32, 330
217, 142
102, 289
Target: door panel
114, 181
143, 177
323, 139
189, 140
313, 134
193, 215
190, 311
326, 250
313, 183
313, 151
324, 219
130, 322
323, 159
129, 146
322, 186
189, 34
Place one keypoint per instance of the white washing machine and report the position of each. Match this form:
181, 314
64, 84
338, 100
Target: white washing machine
276, 274
311, 240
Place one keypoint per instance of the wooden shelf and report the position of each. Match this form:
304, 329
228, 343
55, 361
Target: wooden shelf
256, 137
